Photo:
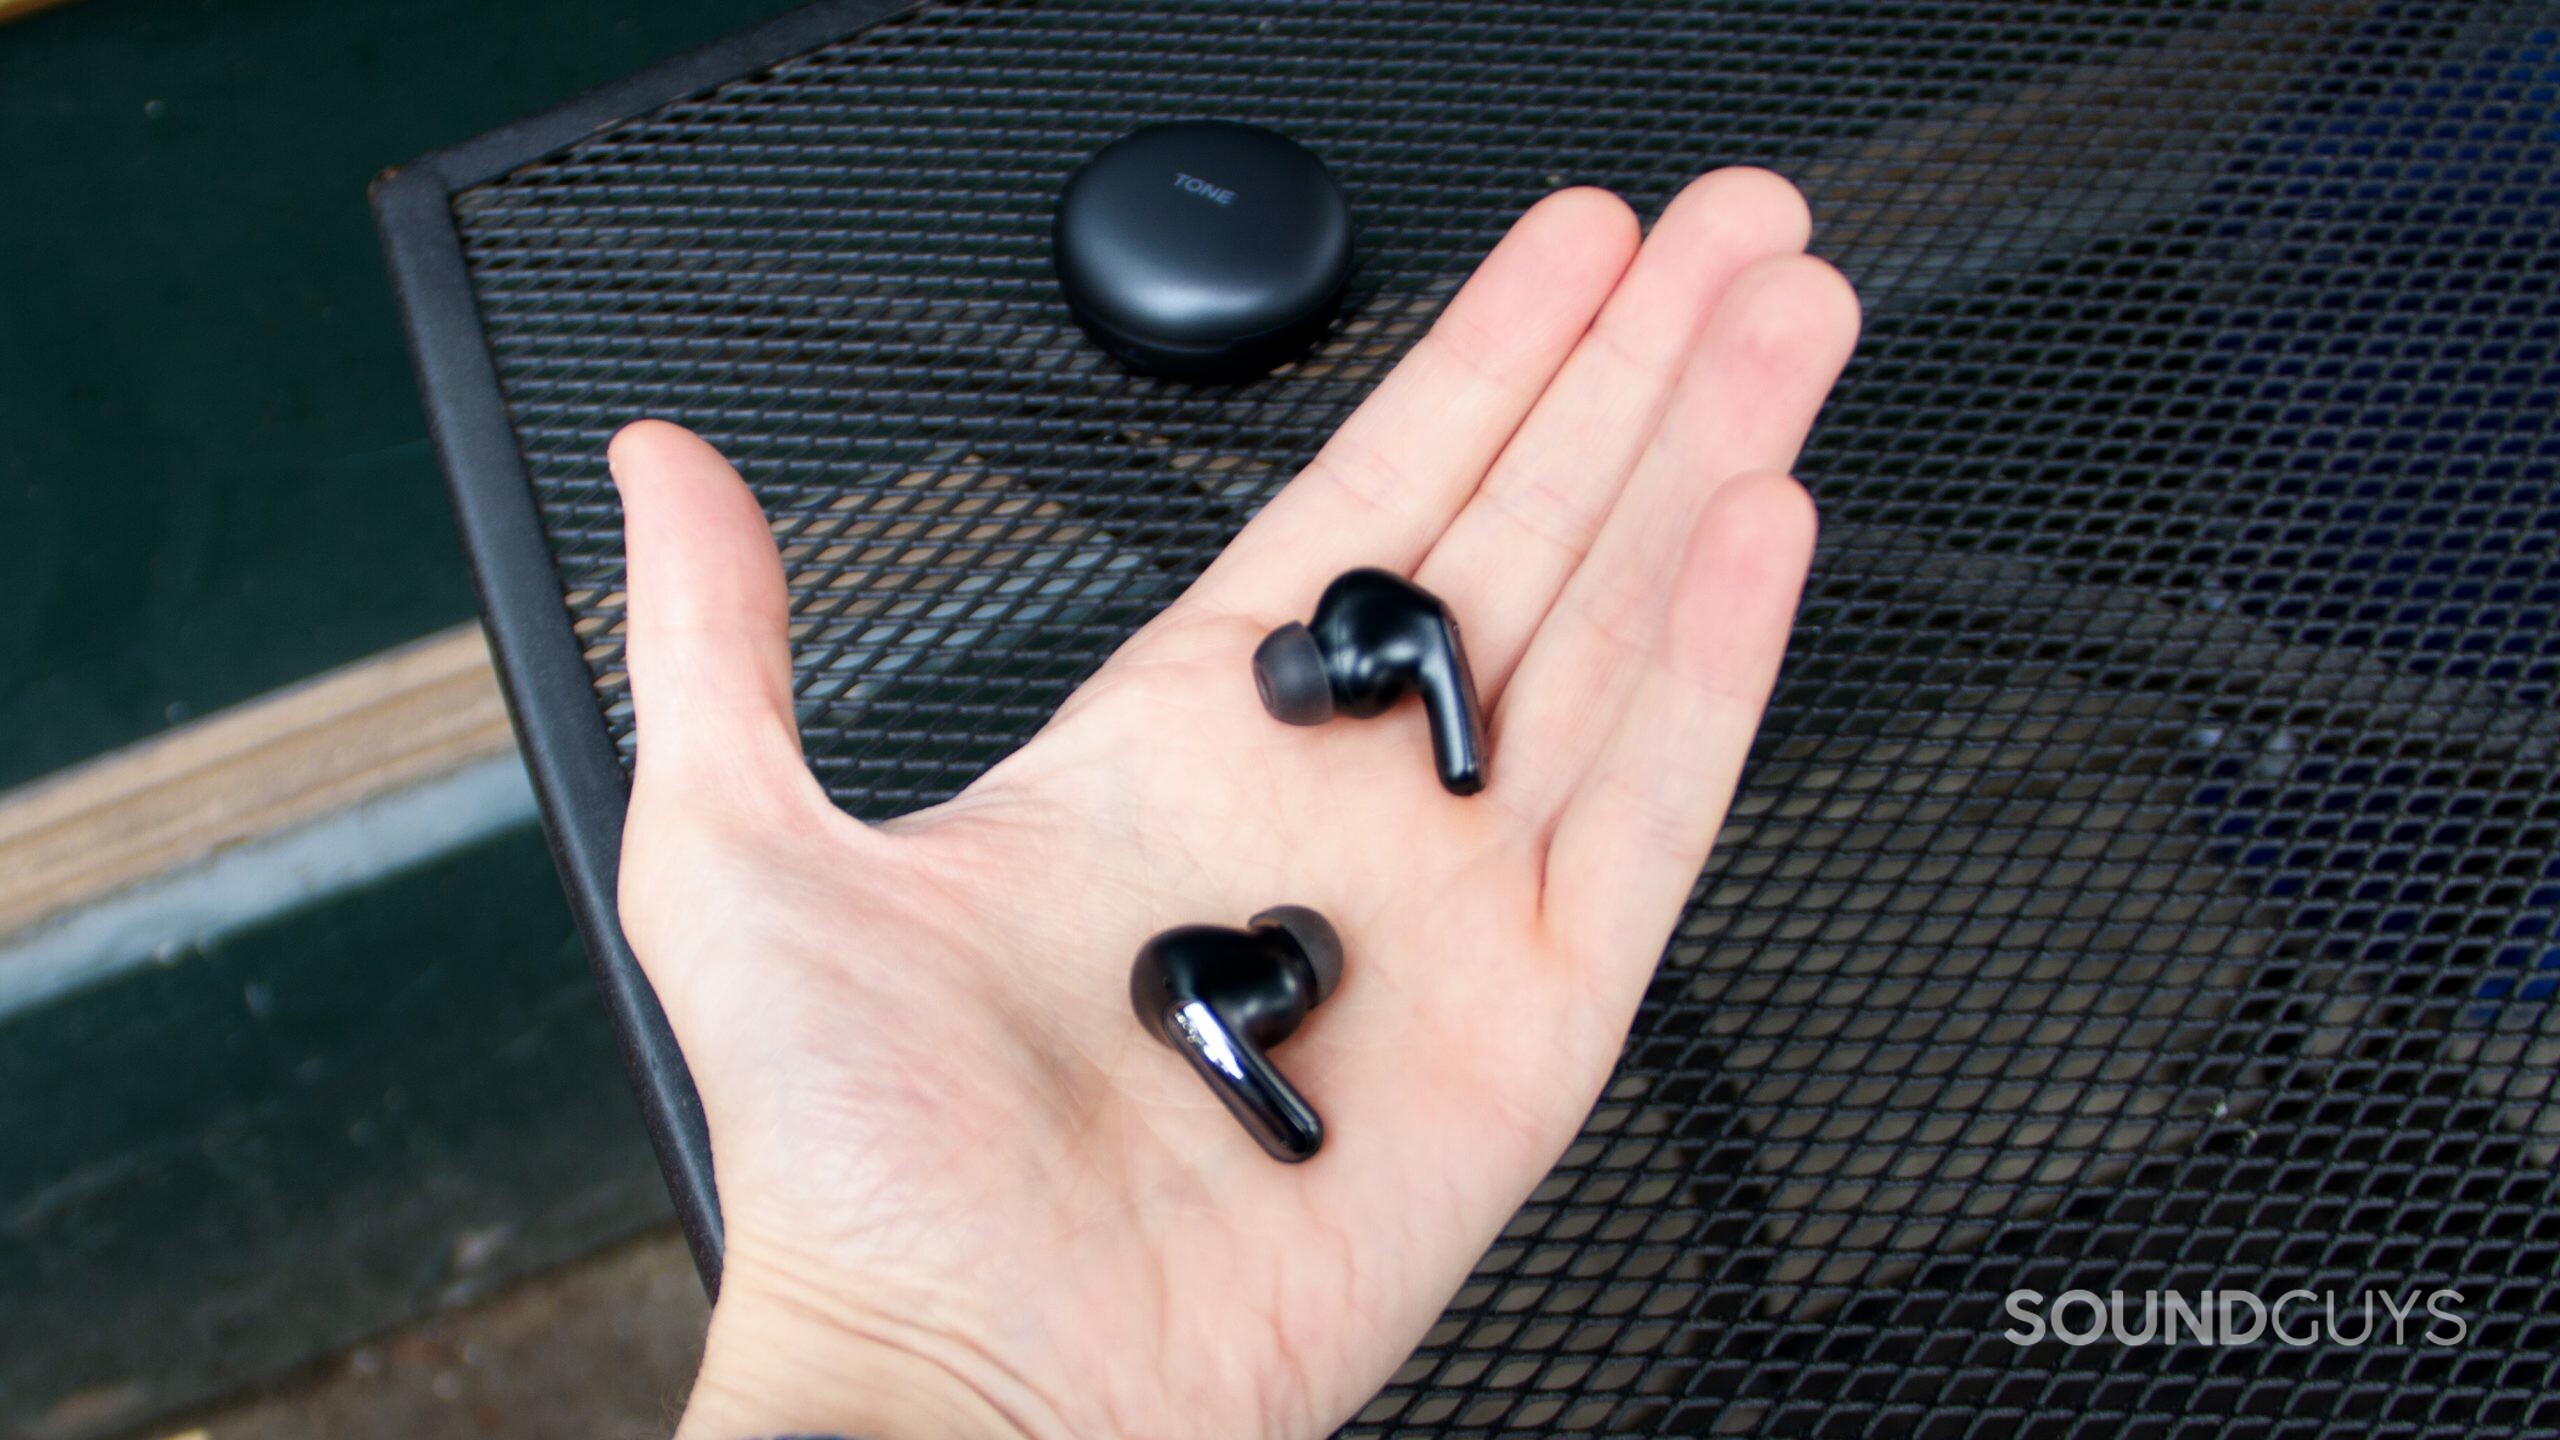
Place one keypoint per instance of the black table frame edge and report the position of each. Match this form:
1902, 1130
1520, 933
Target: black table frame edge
541, 664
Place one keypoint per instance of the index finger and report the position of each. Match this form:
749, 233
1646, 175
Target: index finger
1391, 479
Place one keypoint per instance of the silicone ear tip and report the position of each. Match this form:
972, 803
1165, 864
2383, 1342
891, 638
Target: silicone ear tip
1315, 939
1288, 668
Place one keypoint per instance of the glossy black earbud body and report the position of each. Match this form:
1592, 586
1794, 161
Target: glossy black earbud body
1222, 997
1376, 638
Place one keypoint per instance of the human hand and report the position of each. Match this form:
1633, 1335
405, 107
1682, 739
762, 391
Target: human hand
964, 1193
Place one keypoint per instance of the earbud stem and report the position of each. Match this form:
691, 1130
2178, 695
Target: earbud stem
1457, 719
1277, 1117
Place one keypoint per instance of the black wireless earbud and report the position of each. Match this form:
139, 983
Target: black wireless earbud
1375, 637
1222, 996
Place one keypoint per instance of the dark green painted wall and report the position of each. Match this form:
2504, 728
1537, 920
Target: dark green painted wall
214, 481
213, 475
250, 1151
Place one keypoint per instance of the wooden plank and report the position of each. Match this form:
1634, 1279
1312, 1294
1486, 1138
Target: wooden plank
287, 758
19, 9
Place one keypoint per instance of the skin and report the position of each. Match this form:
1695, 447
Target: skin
965, 1195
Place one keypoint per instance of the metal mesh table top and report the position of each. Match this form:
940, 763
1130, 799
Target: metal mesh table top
2149, 875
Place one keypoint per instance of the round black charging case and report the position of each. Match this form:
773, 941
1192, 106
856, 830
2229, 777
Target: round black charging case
1204, 250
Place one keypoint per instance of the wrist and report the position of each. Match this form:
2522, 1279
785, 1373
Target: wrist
779, 1365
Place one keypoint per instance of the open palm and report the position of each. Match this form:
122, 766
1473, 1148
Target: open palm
965, 1194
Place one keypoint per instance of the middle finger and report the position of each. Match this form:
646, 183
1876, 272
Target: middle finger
1507, 555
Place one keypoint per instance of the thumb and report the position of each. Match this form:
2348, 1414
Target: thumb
707, 633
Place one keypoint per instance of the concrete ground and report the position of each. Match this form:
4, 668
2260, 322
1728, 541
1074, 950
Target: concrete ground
601, 1350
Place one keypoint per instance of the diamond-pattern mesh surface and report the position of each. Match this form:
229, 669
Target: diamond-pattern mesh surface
2149, 877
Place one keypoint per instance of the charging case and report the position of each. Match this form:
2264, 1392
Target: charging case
1203, 250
